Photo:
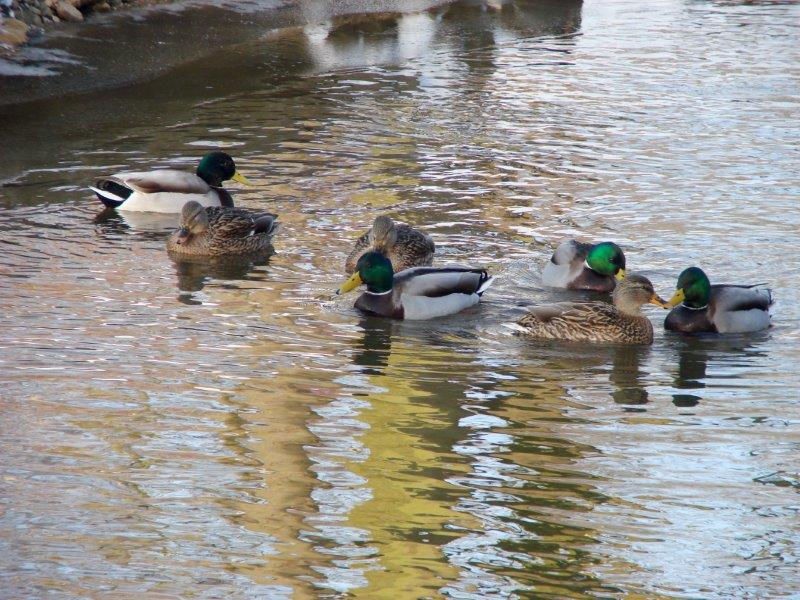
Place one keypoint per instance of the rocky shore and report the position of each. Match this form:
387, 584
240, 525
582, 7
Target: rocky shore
21, 20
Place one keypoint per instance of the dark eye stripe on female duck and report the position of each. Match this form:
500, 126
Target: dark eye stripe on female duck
167, 190
418, 293
701, 307
222, 231
403, 245
579, 266
597, 322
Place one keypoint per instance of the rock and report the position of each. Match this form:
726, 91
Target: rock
13, 33
101, 7
66, 11
30, 17
44, 9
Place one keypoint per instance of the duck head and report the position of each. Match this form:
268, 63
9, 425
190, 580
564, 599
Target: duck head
606, 258
194, 221
693, 289
634, 291
216, 167
384, 234
374, 270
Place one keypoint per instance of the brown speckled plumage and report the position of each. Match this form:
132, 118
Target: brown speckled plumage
411, 248
597, 322
594, 322
222, 231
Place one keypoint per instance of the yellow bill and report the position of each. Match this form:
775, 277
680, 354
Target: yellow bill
676, 299
350, 284
239, 178
620, 275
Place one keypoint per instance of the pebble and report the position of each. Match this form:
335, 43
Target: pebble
66, 11
13, 33
22, 19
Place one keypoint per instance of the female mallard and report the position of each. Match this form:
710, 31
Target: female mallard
702, 307
167, 190
622, 323
403, 245
419, 293
221, 230
578, 266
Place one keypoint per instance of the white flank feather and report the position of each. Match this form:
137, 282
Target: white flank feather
422, 307
742, 321
166, 202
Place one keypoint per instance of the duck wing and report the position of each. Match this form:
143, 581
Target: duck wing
165, 180
435, 282
569, 252
413, 248
227, 222
739, 308
566, 264
588, 314
731, 298
577, 321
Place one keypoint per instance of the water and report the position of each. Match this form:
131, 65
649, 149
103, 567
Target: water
216, 430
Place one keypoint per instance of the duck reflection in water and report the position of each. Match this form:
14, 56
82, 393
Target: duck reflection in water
691, 373
626, 375
146, 226
194, 272
694, 353
373, 348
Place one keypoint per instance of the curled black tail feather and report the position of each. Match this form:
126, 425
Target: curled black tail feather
266, 223
109, 185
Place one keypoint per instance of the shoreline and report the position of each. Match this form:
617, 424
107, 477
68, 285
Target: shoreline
25, 21
117, 49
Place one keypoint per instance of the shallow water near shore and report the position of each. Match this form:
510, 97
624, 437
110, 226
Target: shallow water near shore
235, 430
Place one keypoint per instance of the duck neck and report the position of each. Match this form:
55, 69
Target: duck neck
628, 308
210, 175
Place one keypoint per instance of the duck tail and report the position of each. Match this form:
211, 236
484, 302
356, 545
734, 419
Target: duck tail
266, 224
486, 283
110, 192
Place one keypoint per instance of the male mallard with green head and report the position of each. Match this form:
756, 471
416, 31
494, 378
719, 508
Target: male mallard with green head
418, 293
702, 307
222, 231
579, 266
403, 245
597, 322
167, 190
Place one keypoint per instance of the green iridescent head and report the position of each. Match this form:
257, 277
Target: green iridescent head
216, 167
607, 259
693, 289
374, 270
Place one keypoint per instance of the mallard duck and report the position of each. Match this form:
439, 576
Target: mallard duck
403, 245
418, 293
702, 307
620, 323
579, 266
222, 230
168, 190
